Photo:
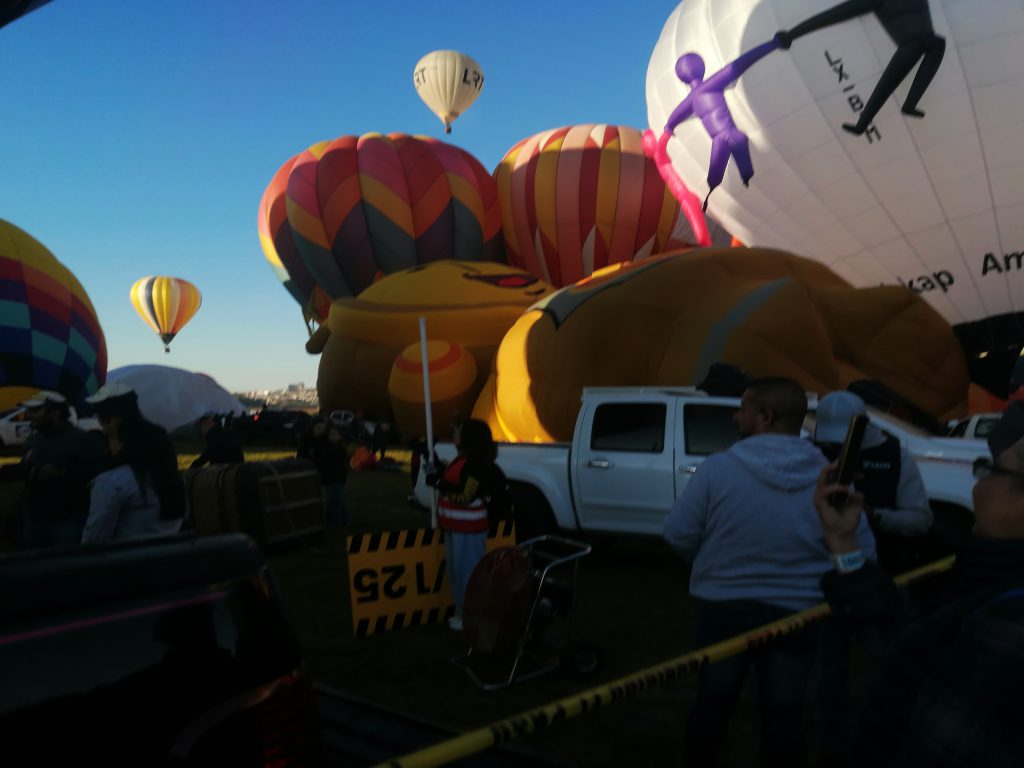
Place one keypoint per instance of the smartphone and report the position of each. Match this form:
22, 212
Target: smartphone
849, 459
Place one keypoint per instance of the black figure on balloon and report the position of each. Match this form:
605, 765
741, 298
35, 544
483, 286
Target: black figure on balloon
909, 24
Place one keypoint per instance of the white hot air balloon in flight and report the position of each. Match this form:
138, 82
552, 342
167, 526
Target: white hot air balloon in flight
933, 202
448, 82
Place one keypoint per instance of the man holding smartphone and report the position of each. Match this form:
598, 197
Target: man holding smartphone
746, 522
949, 683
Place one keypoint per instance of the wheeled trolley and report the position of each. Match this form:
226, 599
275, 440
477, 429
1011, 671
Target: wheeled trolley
517, 612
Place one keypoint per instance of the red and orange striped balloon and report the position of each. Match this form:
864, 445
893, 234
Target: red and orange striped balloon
360, 207
579, 198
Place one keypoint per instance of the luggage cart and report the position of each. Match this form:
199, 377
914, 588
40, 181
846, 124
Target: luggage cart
554, 570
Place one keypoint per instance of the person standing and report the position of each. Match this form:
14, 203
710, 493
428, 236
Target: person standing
221, 446
746, 522
124, 502
117, 408
60, 460
947, 688
466, 487
896, 506
324, 445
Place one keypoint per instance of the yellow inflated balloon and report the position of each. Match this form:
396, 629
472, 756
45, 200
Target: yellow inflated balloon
166, 304
453, 389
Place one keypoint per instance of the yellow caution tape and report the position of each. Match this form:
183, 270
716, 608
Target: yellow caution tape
624, 687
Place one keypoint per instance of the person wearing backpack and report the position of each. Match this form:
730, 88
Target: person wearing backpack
472, 489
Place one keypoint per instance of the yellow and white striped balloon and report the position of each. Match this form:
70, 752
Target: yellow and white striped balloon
166, 304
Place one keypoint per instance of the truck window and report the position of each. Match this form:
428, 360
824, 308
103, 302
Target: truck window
709, 428
960, 429
629, 427
984, 428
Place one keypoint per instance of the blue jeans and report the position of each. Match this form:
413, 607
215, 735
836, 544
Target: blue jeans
462, 551
783, 667
337, 515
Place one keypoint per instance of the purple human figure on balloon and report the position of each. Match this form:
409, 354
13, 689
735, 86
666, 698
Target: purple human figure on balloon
706, 100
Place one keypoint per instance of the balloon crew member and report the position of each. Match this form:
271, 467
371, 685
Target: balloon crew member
467, 486
143, 448
324, 445
124, 502
896, 505
221, 446
60, 460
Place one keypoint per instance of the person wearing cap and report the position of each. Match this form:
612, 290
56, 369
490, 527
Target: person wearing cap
948, 686
221, 446
59, 462
149, 453
746, 522
895, 499
896, 505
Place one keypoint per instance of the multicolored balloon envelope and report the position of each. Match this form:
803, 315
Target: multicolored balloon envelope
13, 9
361, 207
166, 304
576, 199
665, 321
50, 337
280, 250
931, 201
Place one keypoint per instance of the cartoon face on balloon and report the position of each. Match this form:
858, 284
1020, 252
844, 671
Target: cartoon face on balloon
366, 361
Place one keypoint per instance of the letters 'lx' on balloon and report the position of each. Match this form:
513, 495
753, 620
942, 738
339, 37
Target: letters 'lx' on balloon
166, 304
448, 82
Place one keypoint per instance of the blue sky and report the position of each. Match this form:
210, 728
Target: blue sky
136, 137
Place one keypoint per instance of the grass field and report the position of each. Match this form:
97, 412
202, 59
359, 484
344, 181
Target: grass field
632, 601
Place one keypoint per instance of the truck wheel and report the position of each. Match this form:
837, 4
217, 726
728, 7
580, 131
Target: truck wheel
532, 513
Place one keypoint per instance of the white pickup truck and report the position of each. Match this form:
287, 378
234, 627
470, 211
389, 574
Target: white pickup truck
15, 425
634, 449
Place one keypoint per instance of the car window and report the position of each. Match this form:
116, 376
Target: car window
960, 429
629, 427
709, 428
985, 427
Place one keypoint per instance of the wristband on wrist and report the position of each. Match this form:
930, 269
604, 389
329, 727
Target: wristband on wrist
848, 561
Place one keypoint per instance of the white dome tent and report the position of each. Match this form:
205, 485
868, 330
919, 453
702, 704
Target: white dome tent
173, 397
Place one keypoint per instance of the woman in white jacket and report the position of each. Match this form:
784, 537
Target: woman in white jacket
123, 500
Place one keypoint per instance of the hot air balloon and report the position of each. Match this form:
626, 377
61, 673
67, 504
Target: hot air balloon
579, 198
280, 250
448, 82
50, 337
166, 304
361, 207
932, 202
666, 320
10, 11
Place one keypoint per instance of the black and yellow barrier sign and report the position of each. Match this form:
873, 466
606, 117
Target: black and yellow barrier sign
397, 579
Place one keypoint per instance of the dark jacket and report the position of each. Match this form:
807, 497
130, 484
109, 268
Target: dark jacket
477, 480
330, 459
221, 448
952, 669
62, 503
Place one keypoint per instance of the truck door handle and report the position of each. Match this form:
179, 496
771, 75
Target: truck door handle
599, 464
689, 469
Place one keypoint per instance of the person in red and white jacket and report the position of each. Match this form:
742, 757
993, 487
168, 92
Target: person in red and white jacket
467, 486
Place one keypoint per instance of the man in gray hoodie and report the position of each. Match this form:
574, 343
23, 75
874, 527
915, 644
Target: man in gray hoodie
747, 523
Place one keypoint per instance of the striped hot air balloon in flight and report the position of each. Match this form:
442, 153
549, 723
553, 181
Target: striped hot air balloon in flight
361, 207
166, 304
582, 197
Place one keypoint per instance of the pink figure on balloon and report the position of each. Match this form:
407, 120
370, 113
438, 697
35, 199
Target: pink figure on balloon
706, 100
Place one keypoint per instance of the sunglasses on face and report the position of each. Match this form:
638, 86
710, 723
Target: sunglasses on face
984, 467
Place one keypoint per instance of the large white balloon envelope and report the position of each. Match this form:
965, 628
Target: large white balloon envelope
936, 204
